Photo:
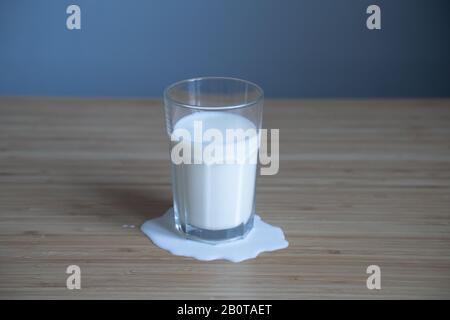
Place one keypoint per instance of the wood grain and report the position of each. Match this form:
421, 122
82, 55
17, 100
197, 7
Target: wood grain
361, 182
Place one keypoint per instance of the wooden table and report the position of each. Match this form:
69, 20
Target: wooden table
361, 182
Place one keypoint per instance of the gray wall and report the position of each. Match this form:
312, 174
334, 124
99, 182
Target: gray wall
309, 48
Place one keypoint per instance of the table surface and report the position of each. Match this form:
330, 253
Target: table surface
361, 182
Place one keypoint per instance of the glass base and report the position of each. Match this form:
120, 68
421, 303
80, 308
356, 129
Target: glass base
214, 236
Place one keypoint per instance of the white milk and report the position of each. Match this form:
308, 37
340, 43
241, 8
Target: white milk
216, 196
264, 237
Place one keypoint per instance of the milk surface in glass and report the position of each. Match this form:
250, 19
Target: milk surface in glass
216, 196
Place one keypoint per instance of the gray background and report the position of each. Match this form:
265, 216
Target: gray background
310, 48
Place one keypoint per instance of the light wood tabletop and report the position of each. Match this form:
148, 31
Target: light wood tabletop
361, 182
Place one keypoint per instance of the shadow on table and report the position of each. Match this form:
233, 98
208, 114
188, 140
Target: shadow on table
137, 203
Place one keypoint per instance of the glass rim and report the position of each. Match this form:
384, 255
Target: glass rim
260, 94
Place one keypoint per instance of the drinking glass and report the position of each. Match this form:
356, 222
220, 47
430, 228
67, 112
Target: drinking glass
214, 192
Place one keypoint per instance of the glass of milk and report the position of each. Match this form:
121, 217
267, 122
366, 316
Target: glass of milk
214, 125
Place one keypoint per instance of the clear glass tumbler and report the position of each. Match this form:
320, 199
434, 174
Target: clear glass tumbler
214, 125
